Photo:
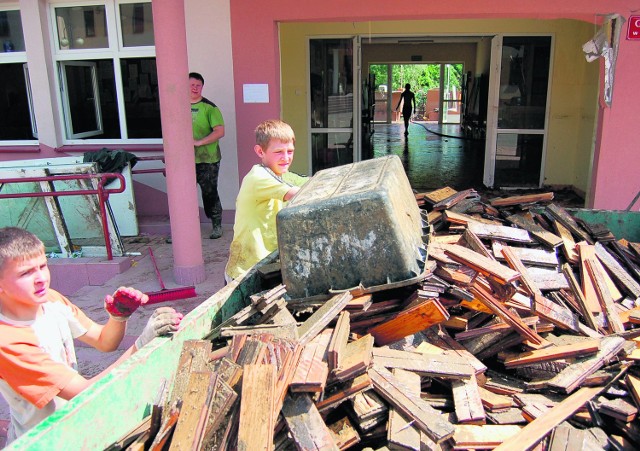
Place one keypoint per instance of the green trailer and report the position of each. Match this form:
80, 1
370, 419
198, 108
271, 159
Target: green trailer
622, 223
114, 405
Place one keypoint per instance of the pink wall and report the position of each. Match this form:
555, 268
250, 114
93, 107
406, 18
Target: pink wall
615, 180
256, 60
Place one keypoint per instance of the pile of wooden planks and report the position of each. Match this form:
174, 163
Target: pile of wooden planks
520, 334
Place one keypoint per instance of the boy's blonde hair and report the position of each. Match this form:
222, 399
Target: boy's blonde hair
17, 243
274, 129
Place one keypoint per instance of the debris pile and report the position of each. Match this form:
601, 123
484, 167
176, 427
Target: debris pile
520, 334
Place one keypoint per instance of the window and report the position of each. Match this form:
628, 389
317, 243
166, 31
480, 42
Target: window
107, 70
17, 123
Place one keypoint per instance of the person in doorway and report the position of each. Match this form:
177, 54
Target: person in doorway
408, 101
208, 129
262, 195
38, 367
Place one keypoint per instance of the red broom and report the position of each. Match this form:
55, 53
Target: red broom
167, 294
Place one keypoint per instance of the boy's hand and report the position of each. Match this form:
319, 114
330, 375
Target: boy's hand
124, 302
163, 321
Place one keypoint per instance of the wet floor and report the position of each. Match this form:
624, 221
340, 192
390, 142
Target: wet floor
433, 155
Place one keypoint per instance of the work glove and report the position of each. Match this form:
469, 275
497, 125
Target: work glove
124, 302
163, 321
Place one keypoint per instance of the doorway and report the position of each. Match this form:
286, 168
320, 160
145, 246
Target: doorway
517, 116
438, 88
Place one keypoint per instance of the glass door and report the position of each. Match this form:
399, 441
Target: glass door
452, 92
331, 82
379, 77
516, 120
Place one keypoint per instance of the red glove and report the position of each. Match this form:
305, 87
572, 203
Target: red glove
124, 302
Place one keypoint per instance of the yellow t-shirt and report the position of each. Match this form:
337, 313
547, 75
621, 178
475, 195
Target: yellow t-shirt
254, 230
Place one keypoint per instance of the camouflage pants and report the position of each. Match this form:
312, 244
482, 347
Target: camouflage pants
207, 178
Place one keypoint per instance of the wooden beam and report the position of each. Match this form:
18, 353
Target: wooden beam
409, 321
568, 245
425, 417
606, 303
553, 353
617, 270
488, 436
357, 358
467, 401
190, 430
307, 428
574, 375
584, 306
561, 215
523, 199
500, 232
322, 317
535, 431
257, 419
312, 370
447, 366
481, 264
400, 432
539, 233
507, 316
339, 340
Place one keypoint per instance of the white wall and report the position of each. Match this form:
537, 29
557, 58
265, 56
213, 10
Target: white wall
209, 47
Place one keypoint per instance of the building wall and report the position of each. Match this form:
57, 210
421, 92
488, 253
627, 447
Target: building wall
573, 84
209, 52
209, 47
614, 162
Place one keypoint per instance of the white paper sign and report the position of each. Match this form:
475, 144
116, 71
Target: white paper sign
255, 93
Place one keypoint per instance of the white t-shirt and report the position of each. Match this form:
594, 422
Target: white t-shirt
37, 360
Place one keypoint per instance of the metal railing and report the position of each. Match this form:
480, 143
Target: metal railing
102, 193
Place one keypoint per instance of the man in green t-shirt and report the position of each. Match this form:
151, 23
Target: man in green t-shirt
208, 128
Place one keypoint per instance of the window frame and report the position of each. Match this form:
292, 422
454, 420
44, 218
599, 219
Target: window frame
20, 57
115, 51
96, 99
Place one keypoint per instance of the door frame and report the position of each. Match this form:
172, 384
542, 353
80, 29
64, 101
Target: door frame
492, 130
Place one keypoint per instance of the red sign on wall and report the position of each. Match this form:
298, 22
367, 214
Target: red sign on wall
633, 32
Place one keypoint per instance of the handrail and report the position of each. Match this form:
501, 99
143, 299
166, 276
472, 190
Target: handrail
162, 171
102, 193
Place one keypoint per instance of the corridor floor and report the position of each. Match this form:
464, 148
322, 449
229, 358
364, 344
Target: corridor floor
432, 160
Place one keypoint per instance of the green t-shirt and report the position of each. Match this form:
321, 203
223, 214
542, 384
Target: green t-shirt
205, 115
258, 203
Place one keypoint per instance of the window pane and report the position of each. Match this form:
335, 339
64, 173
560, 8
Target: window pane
11, 32
331, 149
82, 27
518, 160
15, 117
140, 89
523, 82
108, 99
331, 68
82, 100
136, 24
81, 95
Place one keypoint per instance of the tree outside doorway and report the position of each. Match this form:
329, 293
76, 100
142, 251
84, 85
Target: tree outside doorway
426, 81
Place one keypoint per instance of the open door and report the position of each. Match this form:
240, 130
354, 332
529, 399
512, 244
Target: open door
517, 112
334, 97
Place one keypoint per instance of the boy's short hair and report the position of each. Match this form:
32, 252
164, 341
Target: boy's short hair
197, 76
17, 243
274, 129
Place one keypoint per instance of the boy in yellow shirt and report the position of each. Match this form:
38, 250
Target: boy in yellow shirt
262, 195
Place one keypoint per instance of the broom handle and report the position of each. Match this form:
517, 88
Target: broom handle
155, 266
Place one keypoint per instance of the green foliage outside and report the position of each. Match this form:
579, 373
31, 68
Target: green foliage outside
421, 77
